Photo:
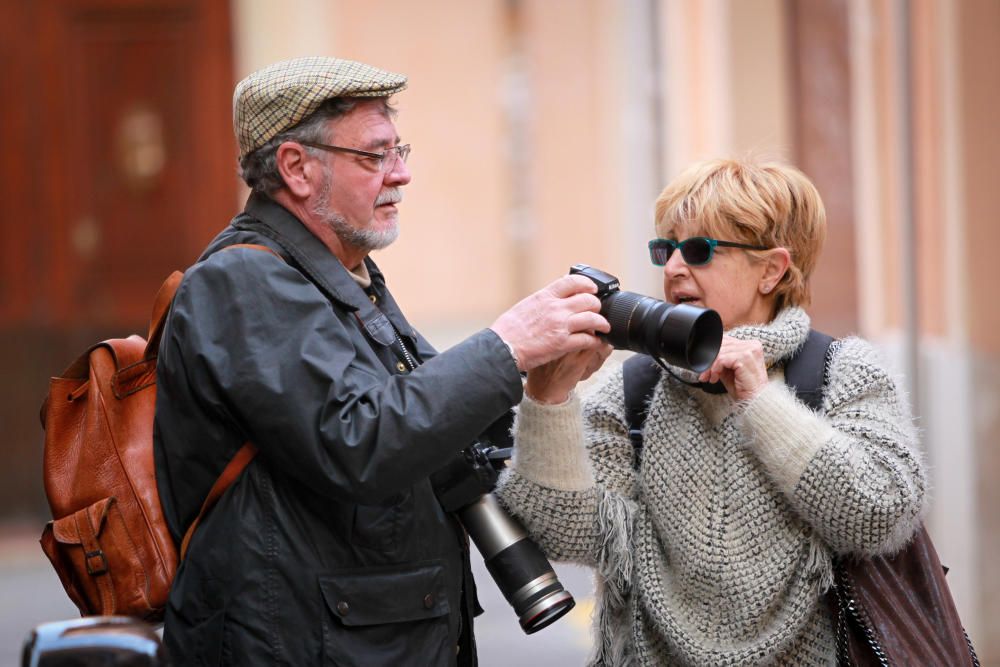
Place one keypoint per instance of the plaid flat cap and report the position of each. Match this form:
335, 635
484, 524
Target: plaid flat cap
280, 96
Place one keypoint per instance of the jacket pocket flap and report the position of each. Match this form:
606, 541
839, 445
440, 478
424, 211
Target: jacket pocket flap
68, 530
393, 594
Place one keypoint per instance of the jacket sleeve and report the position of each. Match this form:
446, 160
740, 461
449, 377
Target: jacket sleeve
855, 473
265, 351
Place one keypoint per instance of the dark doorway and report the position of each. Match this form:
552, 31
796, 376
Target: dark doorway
117, 166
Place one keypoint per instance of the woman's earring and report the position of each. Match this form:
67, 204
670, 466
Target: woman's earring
766, 289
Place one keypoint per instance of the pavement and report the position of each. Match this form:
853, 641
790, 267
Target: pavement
30, 593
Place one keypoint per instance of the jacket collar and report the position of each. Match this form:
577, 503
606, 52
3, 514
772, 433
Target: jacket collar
269, 218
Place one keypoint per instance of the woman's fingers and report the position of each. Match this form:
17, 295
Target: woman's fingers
739, 366
552, 382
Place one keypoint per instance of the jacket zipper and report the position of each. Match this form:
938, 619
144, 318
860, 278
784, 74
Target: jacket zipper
407, 359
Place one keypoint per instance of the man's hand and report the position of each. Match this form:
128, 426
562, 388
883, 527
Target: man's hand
740, 367
557, 320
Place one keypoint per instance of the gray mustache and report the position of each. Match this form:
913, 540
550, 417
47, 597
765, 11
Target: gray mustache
389, 196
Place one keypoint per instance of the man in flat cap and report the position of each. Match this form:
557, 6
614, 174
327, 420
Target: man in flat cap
330, 546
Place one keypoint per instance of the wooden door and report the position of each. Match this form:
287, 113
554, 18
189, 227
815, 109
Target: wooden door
118, 165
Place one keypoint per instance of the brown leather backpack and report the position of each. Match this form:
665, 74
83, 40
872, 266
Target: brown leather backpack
108, 540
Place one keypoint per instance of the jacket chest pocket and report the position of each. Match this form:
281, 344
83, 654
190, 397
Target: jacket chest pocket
392, 615
380, 526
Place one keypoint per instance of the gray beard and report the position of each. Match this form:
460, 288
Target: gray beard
362, 239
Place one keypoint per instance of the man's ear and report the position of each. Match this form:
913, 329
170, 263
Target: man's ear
778, 260
295, 169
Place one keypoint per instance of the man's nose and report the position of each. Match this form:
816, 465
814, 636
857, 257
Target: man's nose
398, 175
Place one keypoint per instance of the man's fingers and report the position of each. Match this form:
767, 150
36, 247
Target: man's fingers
572, 284
582, 341
582, 301
587, 321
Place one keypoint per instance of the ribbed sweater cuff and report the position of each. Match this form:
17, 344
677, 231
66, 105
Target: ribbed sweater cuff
784, 433
549, 445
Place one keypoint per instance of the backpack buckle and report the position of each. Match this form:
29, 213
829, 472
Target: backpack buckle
100, 567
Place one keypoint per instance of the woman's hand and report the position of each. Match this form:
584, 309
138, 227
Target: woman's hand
740, 367
551, 383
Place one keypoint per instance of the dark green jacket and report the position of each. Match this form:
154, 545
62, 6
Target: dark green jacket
331, 547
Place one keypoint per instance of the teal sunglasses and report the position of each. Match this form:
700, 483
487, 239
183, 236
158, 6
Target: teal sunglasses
696, 251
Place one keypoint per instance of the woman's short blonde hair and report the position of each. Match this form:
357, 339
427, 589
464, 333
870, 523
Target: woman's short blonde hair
758, 203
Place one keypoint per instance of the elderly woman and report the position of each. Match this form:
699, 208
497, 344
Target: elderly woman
717, 549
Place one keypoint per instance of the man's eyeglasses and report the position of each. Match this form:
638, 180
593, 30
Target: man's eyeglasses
384, 161
696, 251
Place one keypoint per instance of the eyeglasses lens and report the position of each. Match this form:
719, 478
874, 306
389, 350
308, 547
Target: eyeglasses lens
696, 251
659, 253
395, 153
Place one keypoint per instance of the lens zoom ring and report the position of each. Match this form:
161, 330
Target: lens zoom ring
618, 309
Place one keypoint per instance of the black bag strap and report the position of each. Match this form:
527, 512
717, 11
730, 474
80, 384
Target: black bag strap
805, 373
640, 375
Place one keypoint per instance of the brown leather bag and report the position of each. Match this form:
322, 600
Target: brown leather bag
108, 541
898, 611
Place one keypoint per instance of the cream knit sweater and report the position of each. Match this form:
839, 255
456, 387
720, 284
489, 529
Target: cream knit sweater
718, 550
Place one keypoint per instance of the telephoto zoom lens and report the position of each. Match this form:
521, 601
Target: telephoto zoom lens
682, 335
519, 568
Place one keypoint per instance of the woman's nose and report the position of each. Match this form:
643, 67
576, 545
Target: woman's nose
675, 264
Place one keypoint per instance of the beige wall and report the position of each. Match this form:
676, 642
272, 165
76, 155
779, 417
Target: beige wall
974, 39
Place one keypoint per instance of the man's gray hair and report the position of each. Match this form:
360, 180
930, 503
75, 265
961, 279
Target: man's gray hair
259, 169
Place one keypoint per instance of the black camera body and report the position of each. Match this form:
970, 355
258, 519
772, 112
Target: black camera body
682, 335
607, 284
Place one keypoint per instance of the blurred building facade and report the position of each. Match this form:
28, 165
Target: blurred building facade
542, 131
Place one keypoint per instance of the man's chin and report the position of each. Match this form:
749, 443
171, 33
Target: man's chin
382, 238
387, 238
368, 239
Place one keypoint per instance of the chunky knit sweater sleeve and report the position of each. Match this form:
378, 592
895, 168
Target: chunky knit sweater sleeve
572, 479
855, 473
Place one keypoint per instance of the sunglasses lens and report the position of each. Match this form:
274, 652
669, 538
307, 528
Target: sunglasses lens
696, 251
659, 252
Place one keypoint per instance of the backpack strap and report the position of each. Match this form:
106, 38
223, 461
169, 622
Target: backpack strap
640, 373
805, 373
161, 306
232, 470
